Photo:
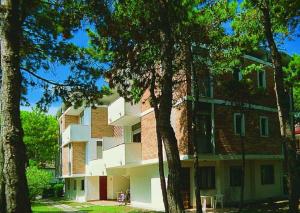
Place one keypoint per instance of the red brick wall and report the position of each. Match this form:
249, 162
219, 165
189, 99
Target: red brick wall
148, 136
148, 132
65, 157
78, 158
181, 129
267, 98
99, 123
229, 143
66, 120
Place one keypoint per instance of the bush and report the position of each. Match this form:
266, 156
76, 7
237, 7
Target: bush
38, 180
55, 190
58, 189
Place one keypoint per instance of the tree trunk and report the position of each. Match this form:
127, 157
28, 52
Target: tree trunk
16, 189
283, 112
2, 184
159, 146
165, 107
243, 174
195, 117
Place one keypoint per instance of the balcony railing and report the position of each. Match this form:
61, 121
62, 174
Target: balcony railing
122, 113
76, 133
123, 154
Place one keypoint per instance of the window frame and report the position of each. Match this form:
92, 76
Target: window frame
264, 80
243, 131
97, 156
213, 180
263, 181
266, 127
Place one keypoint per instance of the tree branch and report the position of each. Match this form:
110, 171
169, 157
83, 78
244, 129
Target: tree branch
44, 79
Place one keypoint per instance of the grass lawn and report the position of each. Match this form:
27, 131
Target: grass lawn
48, 206
43, 207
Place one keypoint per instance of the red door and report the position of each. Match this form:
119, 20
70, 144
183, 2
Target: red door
103, 187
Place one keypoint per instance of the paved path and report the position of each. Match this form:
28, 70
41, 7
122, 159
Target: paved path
65, 208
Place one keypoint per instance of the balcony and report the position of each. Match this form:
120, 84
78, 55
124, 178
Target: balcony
76, 133
121, 113
123, 154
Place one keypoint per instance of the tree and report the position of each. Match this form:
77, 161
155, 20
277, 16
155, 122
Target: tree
35, 35
276, 20
40, 136
145, 43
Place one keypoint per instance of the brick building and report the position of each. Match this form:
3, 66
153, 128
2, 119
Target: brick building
112, 148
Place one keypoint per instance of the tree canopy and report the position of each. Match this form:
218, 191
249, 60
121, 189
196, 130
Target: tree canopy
40, 137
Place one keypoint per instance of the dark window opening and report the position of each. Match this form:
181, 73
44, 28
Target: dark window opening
207, 177
82, 185
99, 149
267, 174
137, 137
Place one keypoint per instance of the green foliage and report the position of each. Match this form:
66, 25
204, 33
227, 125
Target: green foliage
58, 189
292, 78
40, 136
48, 28
292, 71
38, 180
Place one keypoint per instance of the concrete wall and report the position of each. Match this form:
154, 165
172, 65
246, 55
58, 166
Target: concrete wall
92, 190
146, 191
145, 187
116, 184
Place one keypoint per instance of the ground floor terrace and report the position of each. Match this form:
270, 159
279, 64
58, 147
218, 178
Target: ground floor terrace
263, 180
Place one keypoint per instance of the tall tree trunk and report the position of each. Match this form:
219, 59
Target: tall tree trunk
243, 174
159, 145
16, 190
2, 183
195, 117
283, 111
165, 108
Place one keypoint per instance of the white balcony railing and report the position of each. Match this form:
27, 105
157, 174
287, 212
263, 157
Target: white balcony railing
122, 113
76, 133
122, 154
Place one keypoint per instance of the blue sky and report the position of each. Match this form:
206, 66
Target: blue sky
59, 73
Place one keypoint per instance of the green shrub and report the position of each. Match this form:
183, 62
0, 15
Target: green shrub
38, 180
58, 189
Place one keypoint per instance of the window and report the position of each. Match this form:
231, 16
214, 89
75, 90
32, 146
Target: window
264, 126
99, 149
82, 185
261, 79
136, 133
237, 75
239, 124
267, 174
137, 137
75, 185
235, 175
207, 177
81, 117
